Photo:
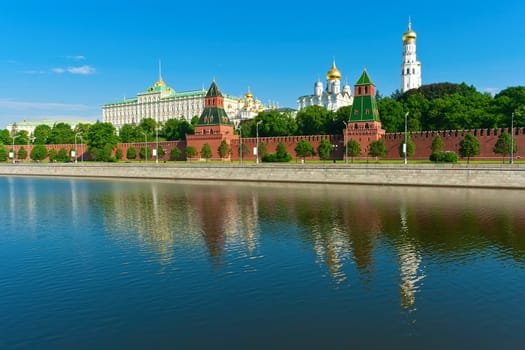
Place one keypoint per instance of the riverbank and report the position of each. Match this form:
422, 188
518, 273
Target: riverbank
442, 175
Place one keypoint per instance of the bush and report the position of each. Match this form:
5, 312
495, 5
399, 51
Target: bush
444, 157
175, 153
131, 153
118, 154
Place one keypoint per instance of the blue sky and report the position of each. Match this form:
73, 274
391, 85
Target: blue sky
65, 59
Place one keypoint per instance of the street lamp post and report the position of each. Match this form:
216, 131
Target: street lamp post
14, 137
511, 139
145, 147
346, 141
405, 144
257, 138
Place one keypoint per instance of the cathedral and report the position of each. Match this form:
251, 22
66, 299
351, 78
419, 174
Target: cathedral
332, 97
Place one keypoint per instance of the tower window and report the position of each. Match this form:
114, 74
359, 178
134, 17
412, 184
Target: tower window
408, 70
366, 89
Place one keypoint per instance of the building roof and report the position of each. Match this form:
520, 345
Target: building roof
364, 79
214, 116
214, 90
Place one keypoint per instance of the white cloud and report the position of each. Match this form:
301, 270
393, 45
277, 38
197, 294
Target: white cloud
6, 103
83, 70
76, 57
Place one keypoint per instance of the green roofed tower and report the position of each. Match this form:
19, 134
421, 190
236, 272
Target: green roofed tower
364, 125
364, 107
214, 113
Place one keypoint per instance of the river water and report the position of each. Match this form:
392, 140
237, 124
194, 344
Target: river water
96, 264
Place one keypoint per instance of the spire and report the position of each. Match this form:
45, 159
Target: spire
160, 82
409, 23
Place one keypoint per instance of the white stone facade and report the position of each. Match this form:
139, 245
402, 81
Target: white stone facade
332, 97
161, 103
410, 67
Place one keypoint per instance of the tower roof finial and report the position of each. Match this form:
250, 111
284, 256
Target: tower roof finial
409, 23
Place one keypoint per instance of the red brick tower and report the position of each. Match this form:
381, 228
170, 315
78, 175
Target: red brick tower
364, 125
214, 124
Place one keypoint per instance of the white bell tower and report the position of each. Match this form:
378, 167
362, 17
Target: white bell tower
411, 67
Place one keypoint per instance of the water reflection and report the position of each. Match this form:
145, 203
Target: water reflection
343, 226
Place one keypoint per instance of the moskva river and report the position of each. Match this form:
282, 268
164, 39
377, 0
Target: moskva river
95, 264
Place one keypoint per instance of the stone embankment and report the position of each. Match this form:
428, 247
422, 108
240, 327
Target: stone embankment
482, 176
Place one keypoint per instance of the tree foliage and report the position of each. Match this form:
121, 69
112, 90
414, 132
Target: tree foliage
131, 153
281, 155
377, 148
61, 133
22, 153
469, 146
175, 129
353, 149
411, 148
191, 152
503, 145
41, 134
446, 106
224, 149
3, 153
304, 149
38, 153
206, 151
101, 140
325, 149
175, 153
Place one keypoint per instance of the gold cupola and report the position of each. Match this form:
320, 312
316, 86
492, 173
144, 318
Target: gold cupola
248, 94
333, 73
410, 35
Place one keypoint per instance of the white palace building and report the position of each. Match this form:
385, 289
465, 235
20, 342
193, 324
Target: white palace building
160, 102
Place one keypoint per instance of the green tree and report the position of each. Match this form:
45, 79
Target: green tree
353, 149
145, 153
281, 154
503, 145
314, 120
62, 155
52, 155
3, 153
101, 140
262, 150
304, 149
21, 137
469, 147
22, 153
161, 152
5, 137
224, 149
38, 153
325, 149
191, 152
175, 153
41, 134
377, 148
128, 134
411, 148
175, 129
119, 154
273, 123
131, 153
61, 133
437, 144
206, 151
148, 125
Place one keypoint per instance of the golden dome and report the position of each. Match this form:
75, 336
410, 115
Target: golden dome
160, 82
248, 95
409, 35
333, 73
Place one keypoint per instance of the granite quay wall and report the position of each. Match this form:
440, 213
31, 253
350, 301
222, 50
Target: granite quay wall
504, 176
